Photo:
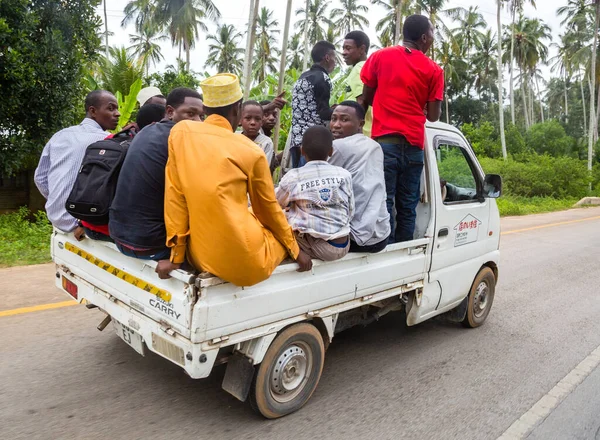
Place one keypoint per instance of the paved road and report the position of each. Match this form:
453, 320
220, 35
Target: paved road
62, 379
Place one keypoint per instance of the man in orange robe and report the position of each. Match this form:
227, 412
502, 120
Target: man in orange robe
210, 173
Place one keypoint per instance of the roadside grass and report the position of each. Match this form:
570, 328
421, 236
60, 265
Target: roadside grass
24, 242
516, 205
25, 239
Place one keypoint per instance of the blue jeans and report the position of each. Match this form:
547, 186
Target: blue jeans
403, 165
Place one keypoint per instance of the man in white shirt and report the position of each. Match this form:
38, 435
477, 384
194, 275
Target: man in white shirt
318, 199
363, 158
62, 156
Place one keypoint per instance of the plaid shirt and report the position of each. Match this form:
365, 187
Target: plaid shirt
320, 200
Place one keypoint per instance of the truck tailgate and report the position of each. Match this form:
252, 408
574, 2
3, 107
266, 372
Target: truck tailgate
129, 280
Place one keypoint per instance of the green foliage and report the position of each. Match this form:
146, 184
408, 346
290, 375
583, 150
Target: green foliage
482, 139
514, 205
23, 241
541, 176
127, 104
45, 47
172, 78
118, 73
549, 137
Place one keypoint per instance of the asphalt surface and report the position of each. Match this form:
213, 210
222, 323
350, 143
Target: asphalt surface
62, 379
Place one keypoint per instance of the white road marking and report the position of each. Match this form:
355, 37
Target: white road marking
523, 426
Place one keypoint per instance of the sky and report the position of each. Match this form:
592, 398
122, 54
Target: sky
236, 12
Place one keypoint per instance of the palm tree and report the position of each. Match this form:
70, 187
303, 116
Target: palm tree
120, 71
265, 58
223, 51
388, 27
183, 20
484, 65
500, 91
529, 51
315, 21
516, 6
294, 52
454, 65
562, 63
471, 25
146, 47
348, 17
141, 12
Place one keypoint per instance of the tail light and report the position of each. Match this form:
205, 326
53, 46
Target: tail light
70, 287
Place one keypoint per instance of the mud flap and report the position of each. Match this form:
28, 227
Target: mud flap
238, 376
458, 313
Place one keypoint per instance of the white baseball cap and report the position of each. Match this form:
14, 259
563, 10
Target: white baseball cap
146, 93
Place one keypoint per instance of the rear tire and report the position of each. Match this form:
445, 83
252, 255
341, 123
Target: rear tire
481, 298
289, 372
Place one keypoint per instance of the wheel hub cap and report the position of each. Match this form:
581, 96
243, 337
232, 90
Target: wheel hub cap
481, 299
290, 371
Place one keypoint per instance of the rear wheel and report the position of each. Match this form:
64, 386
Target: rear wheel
481, 297
289, 372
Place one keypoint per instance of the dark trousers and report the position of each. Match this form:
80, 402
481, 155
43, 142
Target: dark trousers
298, 161
94, 235
371, 249
403, 165
150, 254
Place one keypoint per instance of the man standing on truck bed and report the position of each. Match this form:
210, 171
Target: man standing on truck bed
61, 159
210, 174
404, 87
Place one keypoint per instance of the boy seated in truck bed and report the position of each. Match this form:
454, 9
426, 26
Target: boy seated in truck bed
318, 199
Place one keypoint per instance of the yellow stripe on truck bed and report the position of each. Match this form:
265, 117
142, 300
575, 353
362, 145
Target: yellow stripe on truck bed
121, 274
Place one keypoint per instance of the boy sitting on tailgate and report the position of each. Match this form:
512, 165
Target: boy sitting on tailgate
319, 199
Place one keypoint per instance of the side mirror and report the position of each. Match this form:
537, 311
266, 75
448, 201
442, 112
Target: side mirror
492, 186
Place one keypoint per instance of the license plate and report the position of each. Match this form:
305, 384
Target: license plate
132, 338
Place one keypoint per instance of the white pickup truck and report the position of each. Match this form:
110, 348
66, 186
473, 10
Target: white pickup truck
274, 335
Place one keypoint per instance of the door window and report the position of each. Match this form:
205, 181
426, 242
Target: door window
458, 182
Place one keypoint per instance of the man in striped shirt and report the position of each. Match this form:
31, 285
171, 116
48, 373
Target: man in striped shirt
62, 156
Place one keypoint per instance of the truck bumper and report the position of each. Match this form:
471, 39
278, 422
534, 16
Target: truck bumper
157, 338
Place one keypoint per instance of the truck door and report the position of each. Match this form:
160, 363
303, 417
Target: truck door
462, 218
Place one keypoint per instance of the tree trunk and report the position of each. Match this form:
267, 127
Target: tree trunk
524, 97
246, 73
179, 56
186, 44
597, 116
537, 86
105, 31
398, 22
500, 94
531, 103
566, 99
447, 111
583, 104
592, 126
305, 64
512, 69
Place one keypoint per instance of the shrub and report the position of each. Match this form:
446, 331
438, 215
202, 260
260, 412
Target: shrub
550, 137
23, 241
541, 176
482, 139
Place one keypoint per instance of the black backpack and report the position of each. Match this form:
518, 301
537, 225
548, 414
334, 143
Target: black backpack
96, 183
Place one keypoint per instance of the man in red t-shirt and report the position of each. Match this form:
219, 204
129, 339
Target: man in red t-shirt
405, 88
